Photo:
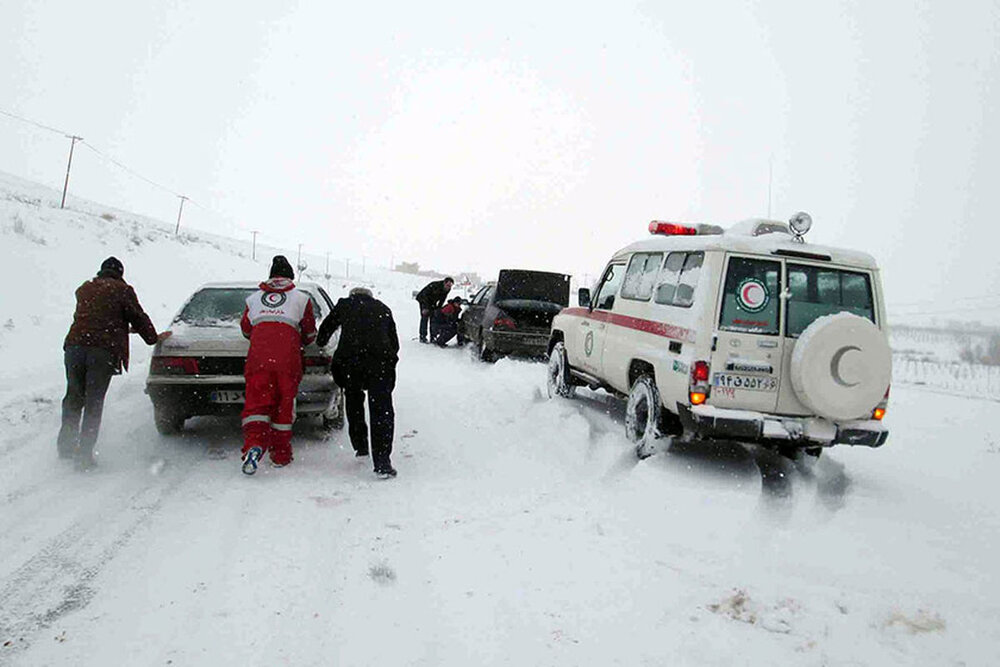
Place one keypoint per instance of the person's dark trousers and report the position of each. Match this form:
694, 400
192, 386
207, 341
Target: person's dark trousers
88, 374
444, 333
380, 410
424, 320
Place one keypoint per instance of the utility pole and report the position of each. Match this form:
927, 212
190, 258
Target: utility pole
347, 264
73, 139
364, 262
392, 263
253, 250
298, 262
770, 180
177, 229
327, 264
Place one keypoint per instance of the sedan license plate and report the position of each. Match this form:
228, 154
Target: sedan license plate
751, 382
227, 396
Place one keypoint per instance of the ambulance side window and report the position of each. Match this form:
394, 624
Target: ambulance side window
609, 287
641, 276
679, 279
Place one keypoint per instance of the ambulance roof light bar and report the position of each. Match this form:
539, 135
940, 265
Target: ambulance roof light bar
663, 228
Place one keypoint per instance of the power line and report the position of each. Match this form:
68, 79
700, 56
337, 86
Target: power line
917, 304
128, 169
33, 122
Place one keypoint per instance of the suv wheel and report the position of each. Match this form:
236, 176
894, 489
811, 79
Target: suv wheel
558, 373
642, 416
168, 421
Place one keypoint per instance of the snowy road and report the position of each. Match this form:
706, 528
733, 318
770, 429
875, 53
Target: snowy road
520, 531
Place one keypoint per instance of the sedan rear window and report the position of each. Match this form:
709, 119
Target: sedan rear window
818, 290
215, 305
533, 286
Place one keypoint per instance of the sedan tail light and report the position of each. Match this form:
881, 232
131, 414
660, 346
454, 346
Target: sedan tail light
174, 366
317, 361
504, 322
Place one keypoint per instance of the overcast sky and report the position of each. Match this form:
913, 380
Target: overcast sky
534, 135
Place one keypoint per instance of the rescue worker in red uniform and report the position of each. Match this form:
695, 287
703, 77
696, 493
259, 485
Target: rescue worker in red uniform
279, 321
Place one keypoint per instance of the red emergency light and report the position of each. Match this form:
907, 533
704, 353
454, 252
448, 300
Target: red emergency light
671, 229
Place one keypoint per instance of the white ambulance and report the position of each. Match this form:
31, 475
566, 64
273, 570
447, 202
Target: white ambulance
746, 333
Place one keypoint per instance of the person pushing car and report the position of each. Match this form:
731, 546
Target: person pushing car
95, 349
365, 361
278, 319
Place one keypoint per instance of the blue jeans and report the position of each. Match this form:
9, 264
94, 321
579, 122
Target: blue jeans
88, 374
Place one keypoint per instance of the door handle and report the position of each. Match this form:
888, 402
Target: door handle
584, 323
601, 326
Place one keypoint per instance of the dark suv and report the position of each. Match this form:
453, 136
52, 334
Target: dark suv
514, 315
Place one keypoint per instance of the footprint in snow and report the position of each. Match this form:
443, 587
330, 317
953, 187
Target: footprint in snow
382, 573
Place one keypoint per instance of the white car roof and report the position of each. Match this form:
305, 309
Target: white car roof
735, 240
253, 284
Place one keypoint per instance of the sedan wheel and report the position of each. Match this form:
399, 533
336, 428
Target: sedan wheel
485, 354
168, 421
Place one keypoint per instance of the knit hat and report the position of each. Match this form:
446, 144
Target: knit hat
112, 266
281, 268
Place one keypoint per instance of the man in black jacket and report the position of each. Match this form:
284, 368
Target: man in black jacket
430, 298
365, 361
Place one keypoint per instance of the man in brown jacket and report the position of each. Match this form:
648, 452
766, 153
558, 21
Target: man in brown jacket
95, 349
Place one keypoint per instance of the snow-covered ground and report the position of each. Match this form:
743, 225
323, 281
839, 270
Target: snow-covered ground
520, 530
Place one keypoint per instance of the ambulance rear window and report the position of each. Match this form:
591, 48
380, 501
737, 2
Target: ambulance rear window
750, 302
818, 290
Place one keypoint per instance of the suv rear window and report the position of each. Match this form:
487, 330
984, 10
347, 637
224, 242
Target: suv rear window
750, 302
818, 290
215, 305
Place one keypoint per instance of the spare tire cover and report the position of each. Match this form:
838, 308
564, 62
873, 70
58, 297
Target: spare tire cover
841, 366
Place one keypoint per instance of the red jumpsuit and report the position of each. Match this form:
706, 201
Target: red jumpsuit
279, 322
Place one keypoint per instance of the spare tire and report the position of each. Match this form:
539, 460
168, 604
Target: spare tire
841, 367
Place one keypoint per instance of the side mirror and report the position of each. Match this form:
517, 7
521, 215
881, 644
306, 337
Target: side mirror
584, 297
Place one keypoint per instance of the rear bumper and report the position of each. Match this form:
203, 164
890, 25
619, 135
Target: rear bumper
707, 421
192, 395
518, 343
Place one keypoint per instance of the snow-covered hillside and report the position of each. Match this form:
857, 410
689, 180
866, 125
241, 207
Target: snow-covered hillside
520, 530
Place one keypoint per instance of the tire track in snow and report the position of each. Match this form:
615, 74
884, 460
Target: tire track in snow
57, 580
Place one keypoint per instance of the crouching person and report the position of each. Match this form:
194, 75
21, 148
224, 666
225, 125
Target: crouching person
446, 323
365, 362
279, 321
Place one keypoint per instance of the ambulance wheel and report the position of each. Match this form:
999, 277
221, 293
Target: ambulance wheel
558, 373
642, 416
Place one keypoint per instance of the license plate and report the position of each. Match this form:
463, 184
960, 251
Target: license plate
751, 382
230, 396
